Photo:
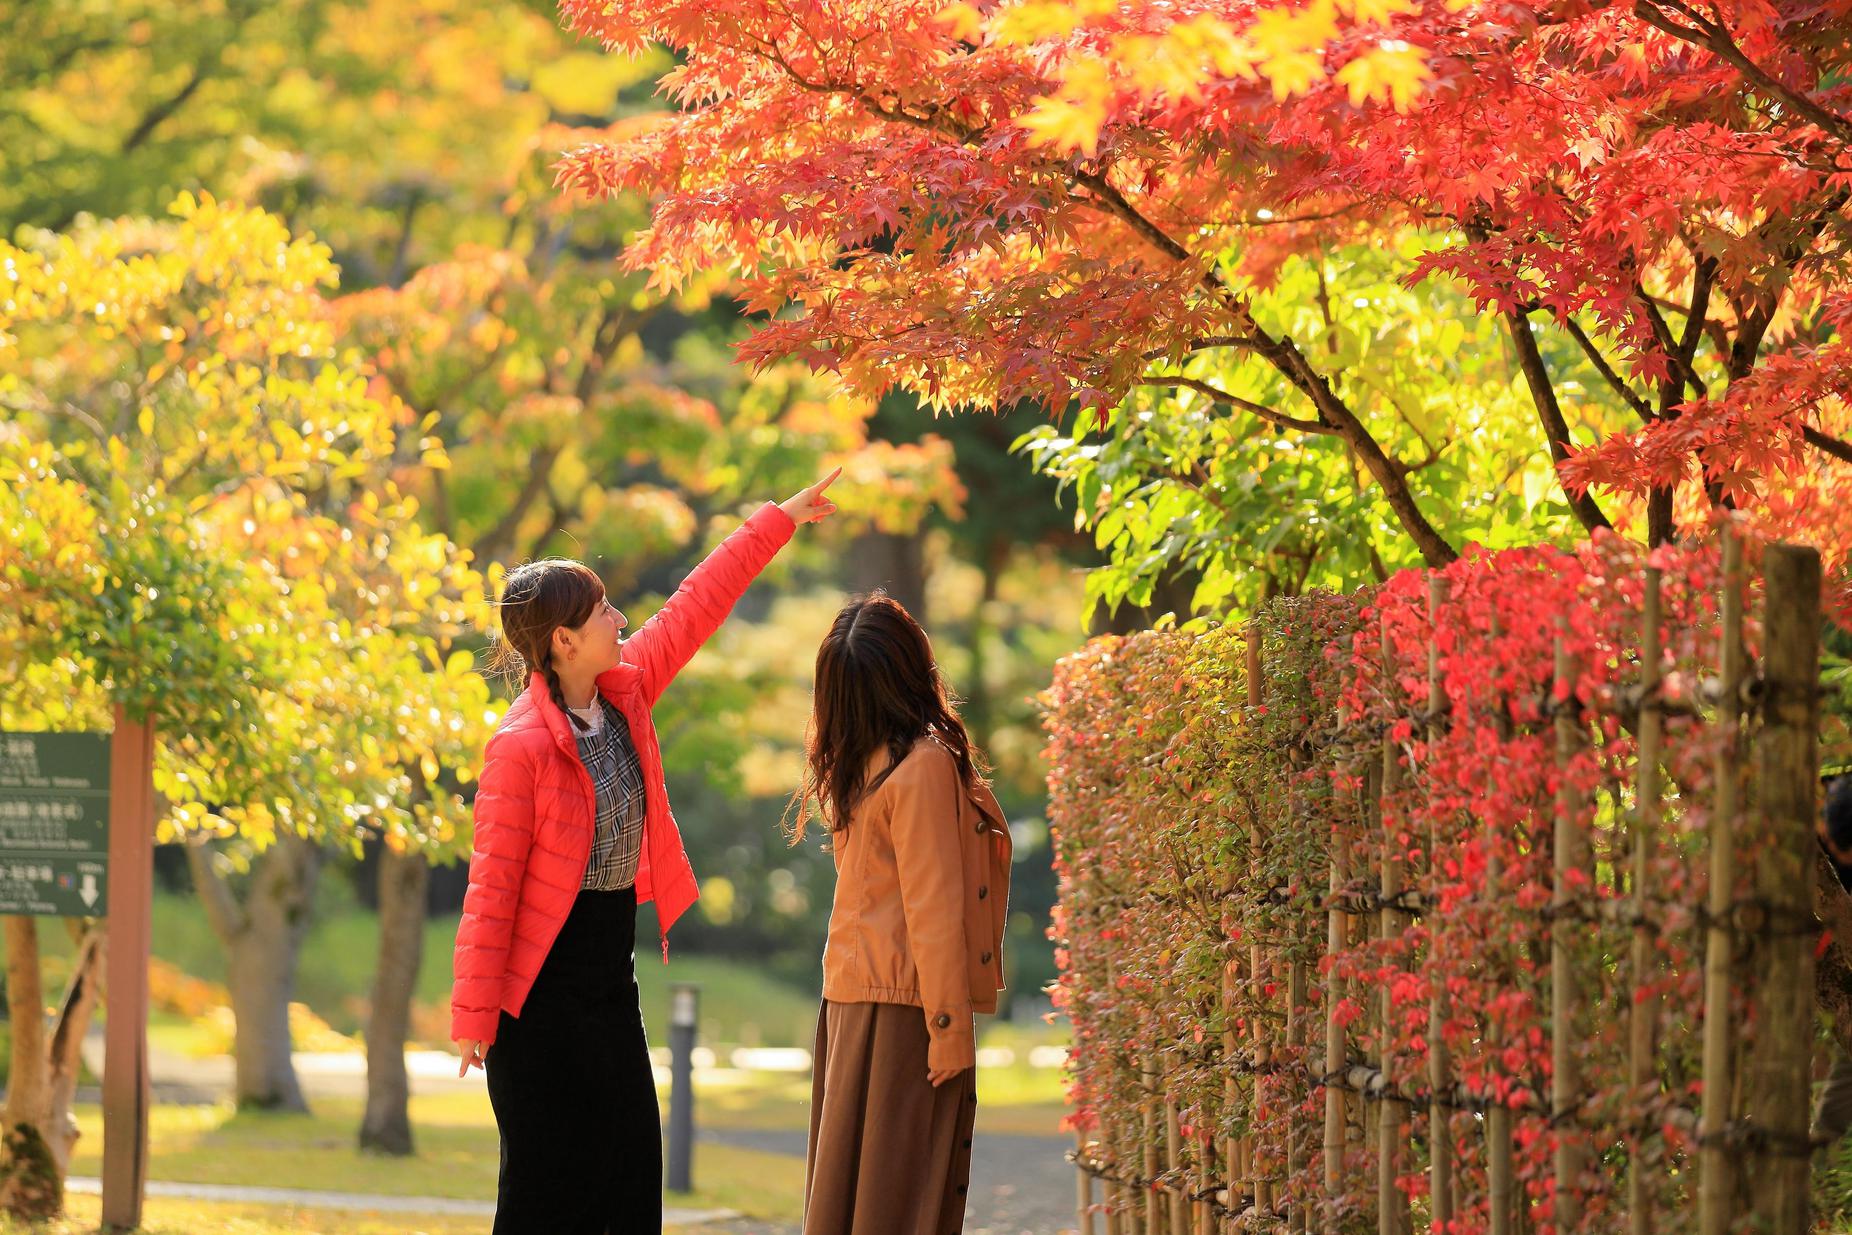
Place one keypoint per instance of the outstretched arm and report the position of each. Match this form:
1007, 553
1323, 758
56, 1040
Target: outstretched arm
669, 640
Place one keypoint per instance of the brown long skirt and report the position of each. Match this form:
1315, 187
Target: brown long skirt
889, 1154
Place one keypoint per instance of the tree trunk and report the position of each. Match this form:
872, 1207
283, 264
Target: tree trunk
28, 1086
894, 561
31, 1185
64, 1055
261, 972
403, 878
980, 713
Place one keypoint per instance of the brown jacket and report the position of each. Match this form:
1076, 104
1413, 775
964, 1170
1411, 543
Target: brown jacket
922, 894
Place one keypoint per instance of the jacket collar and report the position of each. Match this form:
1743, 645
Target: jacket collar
613, 684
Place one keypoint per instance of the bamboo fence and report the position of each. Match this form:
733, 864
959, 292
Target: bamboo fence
1314, 1120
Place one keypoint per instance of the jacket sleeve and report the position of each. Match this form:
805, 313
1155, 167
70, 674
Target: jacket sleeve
498, 859
924, 825
689, 618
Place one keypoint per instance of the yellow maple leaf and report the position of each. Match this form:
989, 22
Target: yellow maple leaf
1392, 70
1377, 12
1071, 118
1290, 45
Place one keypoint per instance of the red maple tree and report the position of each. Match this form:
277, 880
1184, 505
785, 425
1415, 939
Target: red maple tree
991, 203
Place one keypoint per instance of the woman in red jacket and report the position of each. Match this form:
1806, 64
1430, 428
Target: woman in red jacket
573, 831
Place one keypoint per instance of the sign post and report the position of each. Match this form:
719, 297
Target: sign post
77, 840
126, 1093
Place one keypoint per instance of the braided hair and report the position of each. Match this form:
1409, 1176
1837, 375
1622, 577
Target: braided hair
537, 599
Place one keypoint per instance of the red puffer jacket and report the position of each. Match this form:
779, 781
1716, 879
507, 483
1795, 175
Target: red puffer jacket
534, 798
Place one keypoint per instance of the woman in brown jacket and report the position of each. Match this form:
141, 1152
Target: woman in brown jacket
915, 945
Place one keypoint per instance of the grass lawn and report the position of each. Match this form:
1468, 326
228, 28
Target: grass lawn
739, 1003
1014, 1100
456, 1156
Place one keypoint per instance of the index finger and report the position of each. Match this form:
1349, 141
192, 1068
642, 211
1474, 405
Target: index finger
818, 488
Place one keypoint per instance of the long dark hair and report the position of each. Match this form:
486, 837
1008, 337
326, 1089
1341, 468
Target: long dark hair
537, 599
876, 686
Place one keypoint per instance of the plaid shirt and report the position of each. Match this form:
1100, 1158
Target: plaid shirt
617, 778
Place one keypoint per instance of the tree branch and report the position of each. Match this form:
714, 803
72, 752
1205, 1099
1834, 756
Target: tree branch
154, 116
1204, 344
1715, 39
1272, 417
1550, 413
223, 913
1284, 355
1614, 379
495, 543
1828, 444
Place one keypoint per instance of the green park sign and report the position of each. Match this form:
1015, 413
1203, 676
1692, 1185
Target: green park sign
54, 823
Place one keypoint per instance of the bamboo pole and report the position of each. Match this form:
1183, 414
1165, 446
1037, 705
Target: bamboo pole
1646, 827
1501, 1195
1154, 1215
1175, 1173
1565, 996
1716, 1184
1257, 964
1231, 1090
1787, 777
1388, 1112
1335, 931
1205, 1213
1295, 1142
1440, 1146
1499, 1192
1083, 1193
1113, 1134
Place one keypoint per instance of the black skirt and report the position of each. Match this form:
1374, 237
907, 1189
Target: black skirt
574, 1096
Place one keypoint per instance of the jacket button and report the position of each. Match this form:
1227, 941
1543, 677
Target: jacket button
942, 1020
982, 827
984, 959
982, 893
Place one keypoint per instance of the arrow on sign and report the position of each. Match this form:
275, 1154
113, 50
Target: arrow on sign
88, 892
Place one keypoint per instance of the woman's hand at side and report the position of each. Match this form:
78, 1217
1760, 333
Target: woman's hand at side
939, 1076
809, 505
474, 1054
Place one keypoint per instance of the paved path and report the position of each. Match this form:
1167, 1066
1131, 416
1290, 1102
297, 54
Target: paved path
1020, 1185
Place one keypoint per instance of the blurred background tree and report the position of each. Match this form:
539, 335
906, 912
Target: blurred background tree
447, 374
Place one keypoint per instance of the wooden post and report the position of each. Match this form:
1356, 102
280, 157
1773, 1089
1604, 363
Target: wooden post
1787, 777
1565, 997
1716, 1171
1646, 826
1440, 1140
1084, 1188
125, 1042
